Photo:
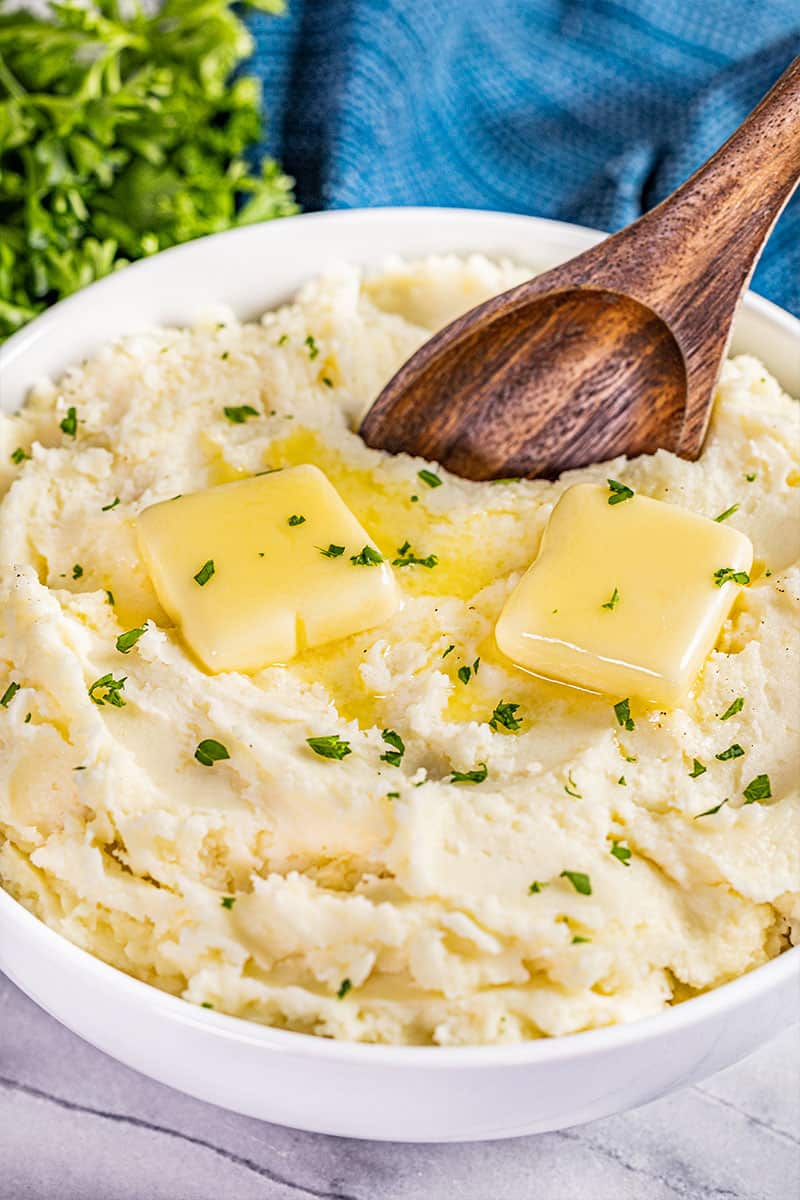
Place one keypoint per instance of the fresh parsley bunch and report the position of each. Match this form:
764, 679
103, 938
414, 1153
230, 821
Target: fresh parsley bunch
122, 133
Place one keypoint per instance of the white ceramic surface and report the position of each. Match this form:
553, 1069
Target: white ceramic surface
396, 1093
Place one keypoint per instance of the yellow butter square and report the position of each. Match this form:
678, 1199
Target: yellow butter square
255, 571
625, 597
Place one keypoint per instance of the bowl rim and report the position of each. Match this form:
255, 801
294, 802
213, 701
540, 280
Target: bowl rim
54, 945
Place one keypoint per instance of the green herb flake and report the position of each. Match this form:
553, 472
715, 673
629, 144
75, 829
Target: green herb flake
9, 694
536, 887
571, 789
368, 556
344, 988
407, 558
622, 781
238, 414
313, 348
697, 769
69, 425
727, 575
723, 516
27, 720
332, 551
296, 519
19, 455
504, 716
734, 751
414, 499
508, 479
108, 690
228, 901
619, 492
77, 571
394, 756
110, 597
579, 881
210, 751
612, 603
475, 776
449, 650
709, 812
432, 480
283, 339
113, 504
206, 1004
622, 710
621, 853
758, 789
392, 795
328, 382
464, 674
733, 708
750, 476
330, 746
205, 573
579, 940
126, 641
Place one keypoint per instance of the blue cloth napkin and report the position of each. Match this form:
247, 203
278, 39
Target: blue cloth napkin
586, 110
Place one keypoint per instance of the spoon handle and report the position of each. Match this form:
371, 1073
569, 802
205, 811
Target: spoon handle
690, 258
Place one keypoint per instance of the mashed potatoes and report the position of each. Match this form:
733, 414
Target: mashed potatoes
357, 898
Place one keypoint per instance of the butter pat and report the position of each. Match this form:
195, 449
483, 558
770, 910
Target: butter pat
246, 579
622, 597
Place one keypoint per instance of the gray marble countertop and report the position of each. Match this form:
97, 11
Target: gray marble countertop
74, 1125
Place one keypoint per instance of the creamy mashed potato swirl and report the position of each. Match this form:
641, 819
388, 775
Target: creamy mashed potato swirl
357, 899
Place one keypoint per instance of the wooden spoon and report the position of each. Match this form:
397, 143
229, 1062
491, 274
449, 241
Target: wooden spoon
616, 351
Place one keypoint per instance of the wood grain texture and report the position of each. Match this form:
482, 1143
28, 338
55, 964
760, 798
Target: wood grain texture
615, 352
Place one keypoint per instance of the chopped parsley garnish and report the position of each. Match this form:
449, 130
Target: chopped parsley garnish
328, 382
733, 708
449, 650
723, 516
619, 492
407, 558
204, 574
570, 787
750, 476
392, 795
238, 414
69, 425
395, 756
368, 556
433, 481
728, 575
296, 519
27, 718
536, 887
9, 694
224, 355
126, 641
622, 781
414, 499
332, 551
313, 348
331, 746
758, 789
206, 1004
578, 940
505, 714
19, 455
110, 597
622, 710
108, 690
582, 883
475, 776
210, 751
508, 479
344, 988
476, 665
621, 853
734, 751
464, 674
113, 504
697, 769
77, 571
613, 602
228, 901
283, 339
709, 812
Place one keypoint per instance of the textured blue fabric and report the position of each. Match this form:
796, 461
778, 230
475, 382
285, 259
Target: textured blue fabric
586, 110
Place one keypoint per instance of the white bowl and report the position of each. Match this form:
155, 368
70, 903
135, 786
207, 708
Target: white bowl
392, 1092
